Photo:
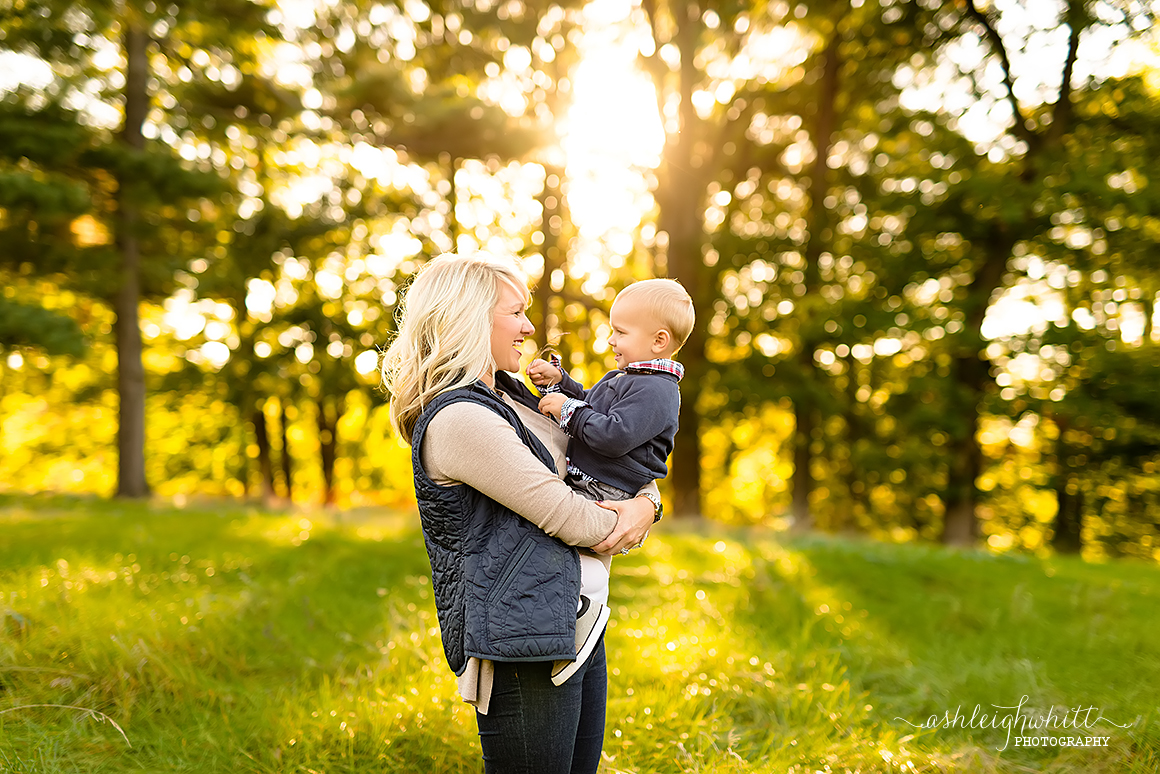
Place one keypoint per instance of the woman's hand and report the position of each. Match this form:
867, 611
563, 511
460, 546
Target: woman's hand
633, 519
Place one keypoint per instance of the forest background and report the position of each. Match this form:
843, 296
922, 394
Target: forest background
921, 238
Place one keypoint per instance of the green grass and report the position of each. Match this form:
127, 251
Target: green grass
235, 640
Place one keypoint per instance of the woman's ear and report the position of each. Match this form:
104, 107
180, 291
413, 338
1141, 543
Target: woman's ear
661, 341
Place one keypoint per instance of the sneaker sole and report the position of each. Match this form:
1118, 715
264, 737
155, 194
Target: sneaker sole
572, 667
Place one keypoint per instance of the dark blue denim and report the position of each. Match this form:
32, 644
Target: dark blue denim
534, 727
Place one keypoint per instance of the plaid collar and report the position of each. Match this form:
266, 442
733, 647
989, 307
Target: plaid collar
660, 365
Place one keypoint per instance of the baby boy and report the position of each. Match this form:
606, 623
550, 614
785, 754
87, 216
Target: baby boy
622, 429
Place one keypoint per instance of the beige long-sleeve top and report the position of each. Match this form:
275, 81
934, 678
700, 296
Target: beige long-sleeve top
471, 444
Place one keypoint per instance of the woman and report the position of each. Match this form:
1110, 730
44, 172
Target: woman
498, 521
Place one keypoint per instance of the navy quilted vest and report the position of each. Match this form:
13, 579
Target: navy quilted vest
504, 589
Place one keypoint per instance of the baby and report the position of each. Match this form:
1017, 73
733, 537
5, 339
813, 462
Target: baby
622, 429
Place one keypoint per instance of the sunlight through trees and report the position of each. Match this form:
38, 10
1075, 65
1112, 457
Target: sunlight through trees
920, 238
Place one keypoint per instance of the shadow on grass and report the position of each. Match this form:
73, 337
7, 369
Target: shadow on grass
805, 653
949, 631
223, 640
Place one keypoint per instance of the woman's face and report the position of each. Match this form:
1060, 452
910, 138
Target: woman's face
509, 327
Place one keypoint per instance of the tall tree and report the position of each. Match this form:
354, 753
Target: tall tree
698, 144
819, 236
1096, 261
145, 183
765, 117
1005, 199
127, 301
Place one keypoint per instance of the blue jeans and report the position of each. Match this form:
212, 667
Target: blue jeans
534, 727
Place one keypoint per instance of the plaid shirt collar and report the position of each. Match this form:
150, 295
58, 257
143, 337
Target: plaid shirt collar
660, 365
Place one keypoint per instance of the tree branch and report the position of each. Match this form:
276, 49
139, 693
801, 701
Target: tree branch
1022, 129
1062, 112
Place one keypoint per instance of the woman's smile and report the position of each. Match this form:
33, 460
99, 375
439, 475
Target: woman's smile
509, 316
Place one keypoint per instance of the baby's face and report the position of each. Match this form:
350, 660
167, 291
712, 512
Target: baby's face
634, 332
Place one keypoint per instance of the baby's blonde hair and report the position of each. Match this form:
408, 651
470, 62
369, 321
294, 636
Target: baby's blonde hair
669, 302
444, 331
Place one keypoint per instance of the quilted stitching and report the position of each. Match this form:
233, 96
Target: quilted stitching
496, 598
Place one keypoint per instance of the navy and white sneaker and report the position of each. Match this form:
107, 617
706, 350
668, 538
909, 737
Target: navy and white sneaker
591, 619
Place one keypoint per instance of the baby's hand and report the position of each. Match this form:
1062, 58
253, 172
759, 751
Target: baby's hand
543, 373
551, 404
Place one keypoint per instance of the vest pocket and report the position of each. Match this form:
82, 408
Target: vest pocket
512, 570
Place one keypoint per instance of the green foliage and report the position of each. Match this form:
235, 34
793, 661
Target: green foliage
59, 198
854, 286
224, 639
58, 417
25, 325
48, 135
22, 191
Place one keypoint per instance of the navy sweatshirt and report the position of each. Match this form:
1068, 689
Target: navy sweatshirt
624, 435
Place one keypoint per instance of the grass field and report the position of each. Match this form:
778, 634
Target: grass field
233, 640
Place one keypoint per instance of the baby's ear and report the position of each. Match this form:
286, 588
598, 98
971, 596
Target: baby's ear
661, 340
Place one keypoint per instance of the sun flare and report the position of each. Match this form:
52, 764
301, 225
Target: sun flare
611, 136
614, 115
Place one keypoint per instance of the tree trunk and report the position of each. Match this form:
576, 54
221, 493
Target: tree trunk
265, 460
801, 484
960, 523
970, 372
972, 375
329, 413
1149, 305
686, 266
555, 253
131, 480
856, 430
686, 457
287, 460
1068, 538
805, 411
242, 471
1068, 495
453, 228
681, 218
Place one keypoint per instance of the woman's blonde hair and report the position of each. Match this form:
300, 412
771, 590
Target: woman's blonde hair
444, 331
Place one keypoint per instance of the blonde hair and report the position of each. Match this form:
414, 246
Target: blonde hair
444, 332
669, 302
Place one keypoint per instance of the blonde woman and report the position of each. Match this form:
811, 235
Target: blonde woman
498, 521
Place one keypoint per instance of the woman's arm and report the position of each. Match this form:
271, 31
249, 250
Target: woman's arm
471, 444
632, 524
